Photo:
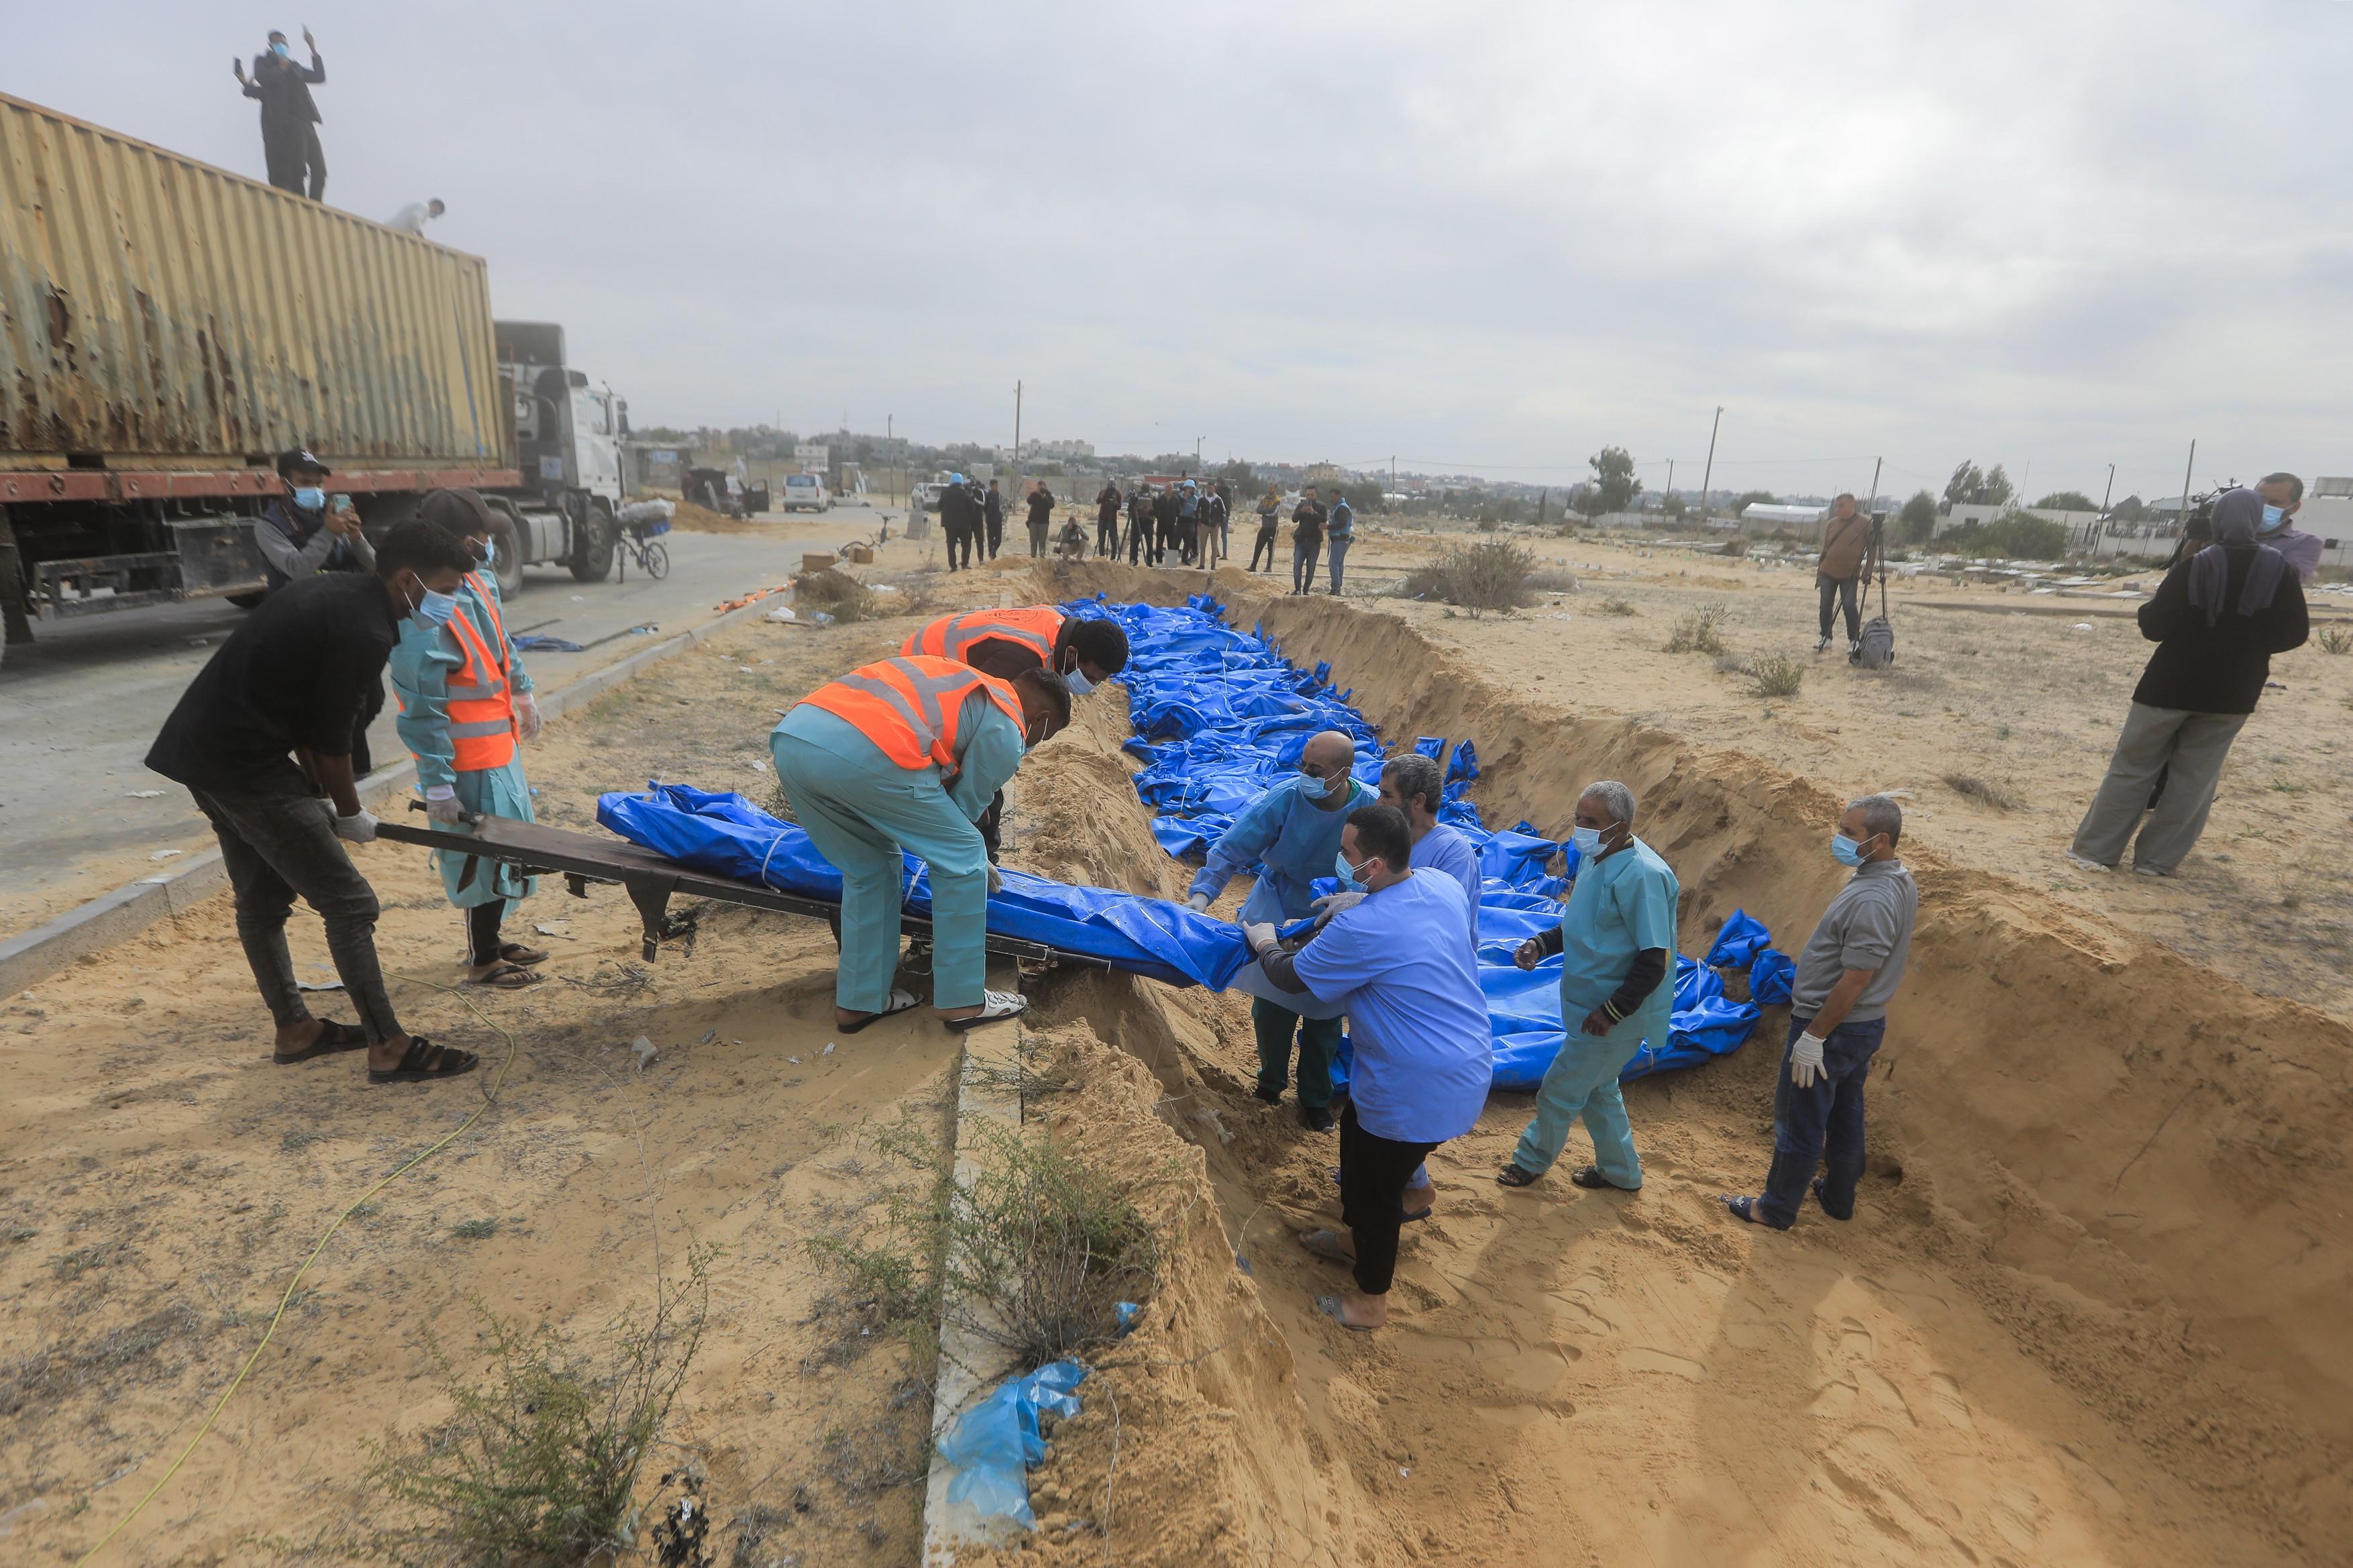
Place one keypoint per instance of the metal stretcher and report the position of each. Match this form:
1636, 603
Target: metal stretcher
652, 879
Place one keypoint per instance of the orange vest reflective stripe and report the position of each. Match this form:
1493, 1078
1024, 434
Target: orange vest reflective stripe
951, 636
482, 712
910, 706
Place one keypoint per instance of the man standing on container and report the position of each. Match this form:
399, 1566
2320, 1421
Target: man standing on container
1292, 833
1617, 943
290, 120
1838, 1014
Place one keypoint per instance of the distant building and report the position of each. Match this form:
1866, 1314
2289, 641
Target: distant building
1783, 516
814, 456
1325, 474
1057, 451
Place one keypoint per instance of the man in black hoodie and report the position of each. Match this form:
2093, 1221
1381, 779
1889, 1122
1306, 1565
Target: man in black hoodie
2217, 620
290, 120
993, 516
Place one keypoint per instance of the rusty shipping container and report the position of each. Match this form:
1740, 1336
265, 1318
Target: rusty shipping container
159, 313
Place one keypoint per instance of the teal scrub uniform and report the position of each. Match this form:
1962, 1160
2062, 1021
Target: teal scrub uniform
1619, 906
421, 666
1294, 840
861, 809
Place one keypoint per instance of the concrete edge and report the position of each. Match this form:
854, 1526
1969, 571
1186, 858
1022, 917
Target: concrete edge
31, 956
970, 1366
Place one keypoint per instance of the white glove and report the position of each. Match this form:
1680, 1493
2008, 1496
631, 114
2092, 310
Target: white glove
527, 720
1331, 904
1806, 1061
996, 878
357, 828
441, 804
1196, 902
1260, 934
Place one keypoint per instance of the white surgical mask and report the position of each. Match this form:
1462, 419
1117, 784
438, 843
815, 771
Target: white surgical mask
1586, 839
310, 497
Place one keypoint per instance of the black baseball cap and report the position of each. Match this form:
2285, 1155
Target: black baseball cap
299, 458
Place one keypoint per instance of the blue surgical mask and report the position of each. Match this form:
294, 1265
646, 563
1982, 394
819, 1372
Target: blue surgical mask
310, 497
435, 609
1352, 876
490, 551
282, 50
1078, 684
2273, 518
1586, 839
1845, 850
1319, 789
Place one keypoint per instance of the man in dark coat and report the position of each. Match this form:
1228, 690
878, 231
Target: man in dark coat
993, 515
290, 120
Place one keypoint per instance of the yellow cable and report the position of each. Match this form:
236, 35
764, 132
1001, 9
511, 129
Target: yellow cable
490, 1097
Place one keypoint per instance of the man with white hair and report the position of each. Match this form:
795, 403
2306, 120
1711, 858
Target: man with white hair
1838, 1014
1617, 945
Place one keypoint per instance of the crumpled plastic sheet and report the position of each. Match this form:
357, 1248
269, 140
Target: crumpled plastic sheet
1744, 943
1218, 715
993, 1445
727, 835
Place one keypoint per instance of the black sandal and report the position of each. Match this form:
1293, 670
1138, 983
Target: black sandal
507, 976
1517, 1175
515, 953
424, 1059
1590, 1176
333, 1037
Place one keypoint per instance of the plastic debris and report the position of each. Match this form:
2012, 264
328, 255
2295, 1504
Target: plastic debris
645, 1051
993, 1445
553, 927
165, 854
1127, 1312
708, 1035
780, 615
828, 1049
144, 794
820, 619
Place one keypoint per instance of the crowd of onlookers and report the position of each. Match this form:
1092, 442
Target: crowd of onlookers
1184, 518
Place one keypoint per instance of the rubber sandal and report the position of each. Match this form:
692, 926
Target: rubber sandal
1325, 1244
1590, 1177
1743, 1208
446, 1061
1815, 1186
1330, 1307
1517, 1176
1414, 1216
515, 953
996, 1007
333, 1037
900, 1001
507, 977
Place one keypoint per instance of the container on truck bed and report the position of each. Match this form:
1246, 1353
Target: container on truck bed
168, 328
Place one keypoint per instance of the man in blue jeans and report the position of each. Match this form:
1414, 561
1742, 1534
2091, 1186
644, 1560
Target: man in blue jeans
1837, 1011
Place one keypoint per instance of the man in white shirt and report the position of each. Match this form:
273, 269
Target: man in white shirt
412, 218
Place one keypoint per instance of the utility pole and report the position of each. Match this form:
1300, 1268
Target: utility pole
1016, 438
2100, 523
1197, 454
1871, 500
1671, 480
1708, 474
2186, 468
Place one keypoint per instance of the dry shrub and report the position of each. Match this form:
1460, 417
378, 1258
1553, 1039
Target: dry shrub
1776, 675
1699, 631
2334, 640
1491, 575
1983, 790
1553, 579
841, 595
1617, 607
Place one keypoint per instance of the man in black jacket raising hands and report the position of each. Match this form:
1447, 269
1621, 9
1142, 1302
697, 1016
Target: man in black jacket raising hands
290, 120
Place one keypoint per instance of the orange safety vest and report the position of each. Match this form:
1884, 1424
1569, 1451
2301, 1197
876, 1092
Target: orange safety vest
481, 711
1035, 628
910, 706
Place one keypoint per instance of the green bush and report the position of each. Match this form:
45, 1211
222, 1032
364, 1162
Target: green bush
1776, 675
2014, 535
1492, 575
1699, 631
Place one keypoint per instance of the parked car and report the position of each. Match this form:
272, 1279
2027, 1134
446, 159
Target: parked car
807, 492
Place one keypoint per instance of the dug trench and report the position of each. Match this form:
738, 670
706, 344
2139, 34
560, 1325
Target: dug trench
2089, 1312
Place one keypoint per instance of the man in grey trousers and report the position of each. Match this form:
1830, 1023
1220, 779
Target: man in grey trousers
2217, 620
1846, 974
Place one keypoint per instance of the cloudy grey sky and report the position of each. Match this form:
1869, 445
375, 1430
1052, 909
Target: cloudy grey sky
1483, 235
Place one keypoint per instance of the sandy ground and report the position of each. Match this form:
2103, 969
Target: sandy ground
2090, 1311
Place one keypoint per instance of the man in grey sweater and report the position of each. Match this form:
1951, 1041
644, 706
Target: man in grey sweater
1838, 1014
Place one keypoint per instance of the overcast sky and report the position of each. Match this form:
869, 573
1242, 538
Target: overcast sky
1477, 236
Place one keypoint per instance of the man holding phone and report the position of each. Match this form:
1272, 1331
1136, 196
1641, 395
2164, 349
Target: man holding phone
300, 533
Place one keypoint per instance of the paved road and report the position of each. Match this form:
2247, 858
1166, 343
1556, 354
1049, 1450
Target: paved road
78, 709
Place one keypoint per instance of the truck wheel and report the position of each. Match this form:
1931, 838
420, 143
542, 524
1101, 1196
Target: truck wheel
507, 539
592, 553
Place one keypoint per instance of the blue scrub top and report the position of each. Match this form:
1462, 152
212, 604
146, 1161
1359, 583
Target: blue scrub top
1417, 1018
1295, 838
1618, 907
1449, 854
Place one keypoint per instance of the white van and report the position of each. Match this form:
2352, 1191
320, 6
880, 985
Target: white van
806, 492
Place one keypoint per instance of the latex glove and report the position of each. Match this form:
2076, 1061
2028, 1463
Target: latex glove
1332, 904
441, 804
1260, 934
1806, 1061
357, 828
1196, 902
995, 879
527, 720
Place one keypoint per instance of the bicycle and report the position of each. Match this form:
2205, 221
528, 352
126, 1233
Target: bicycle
639, 544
